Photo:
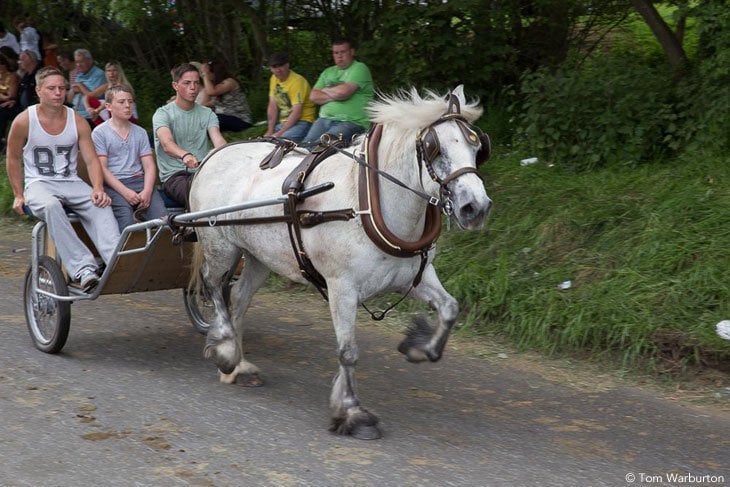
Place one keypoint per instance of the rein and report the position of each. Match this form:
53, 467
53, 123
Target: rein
432, 200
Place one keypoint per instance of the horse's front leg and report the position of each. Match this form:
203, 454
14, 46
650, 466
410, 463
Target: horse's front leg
348, 416
422, 342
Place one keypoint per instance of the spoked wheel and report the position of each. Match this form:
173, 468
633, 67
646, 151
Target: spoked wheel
48, 319
200, 307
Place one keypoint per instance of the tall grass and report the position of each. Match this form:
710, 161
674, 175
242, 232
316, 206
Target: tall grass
645, 251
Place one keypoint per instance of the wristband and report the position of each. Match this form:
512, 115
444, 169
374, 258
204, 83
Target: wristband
182, 158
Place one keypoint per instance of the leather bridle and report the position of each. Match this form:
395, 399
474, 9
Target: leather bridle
428, 148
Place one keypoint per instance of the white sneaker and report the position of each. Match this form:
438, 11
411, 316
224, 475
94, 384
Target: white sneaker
88, 280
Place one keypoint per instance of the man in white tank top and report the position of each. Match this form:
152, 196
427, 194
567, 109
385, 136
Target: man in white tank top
46, 138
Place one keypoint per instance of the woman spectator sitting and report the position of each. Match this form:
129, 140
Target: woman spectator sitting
9, 83
231, 105
94, 101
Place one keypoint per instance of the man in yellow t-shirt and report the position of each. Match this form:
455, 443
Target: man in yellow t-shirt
290, 112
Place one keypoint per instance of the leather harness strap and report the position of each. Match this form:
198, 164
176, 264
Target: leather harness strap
293, 184
371, 211
281, 148
295, 179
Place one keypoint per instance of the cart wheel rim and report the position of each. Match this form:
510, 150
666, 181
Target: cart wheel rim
48, 318
43, 309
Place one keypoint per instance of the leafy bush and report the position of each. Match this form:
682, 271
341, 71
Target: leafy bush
610, 111
708, 89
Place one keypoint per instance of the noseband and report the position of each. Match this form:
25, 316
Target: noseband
428, 149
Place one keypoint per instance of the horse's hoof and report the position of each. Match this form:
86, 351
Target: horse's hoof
360, 424
225, 359
366, 432
249, 380
415, 355
225, 368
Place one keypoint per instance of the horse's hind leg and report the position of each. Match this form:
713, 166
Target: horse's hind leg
422, 342
221, 344
251, 279
348, 417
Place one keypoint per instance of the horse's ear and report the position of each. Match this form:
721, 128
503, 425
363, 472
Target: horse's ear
455, 100
458, 92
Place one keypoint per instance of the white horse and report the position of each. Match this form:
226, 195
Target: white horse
353, 266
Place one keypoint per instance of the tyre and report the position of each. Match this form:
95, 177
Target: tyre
200, 307
48, 319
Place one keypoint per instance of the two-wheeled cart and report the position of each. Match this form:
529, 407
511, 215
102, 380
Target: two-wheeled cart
146, 258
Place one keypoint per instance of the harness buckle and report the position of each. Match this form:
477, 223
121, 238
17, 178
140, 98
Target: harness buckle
434, 201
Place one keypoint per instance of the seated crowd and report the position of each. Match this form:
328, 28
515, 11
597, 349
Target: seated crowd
58, 111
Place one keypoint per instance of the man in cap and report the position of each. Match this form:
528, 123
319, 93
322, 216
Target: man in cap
290, 112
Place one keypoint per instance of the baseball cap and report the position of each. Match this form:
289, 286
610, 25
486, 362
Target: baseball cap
278, 58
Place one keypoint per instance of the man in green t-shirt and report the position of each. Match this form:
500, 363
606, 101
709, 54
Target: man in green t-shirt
182, 129
342, 92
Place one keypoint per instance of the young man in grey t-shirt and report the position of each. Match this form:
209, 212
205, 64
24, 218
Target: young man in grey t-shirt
126, 158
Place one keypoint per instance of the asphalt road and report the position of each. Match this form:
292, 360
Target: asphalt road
131, 402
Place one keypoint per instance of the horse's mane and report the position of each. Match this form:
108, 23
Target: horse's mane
404, 113
408, 110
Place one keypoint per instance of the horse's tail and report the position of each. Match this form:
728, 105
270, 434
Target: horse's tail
196, 265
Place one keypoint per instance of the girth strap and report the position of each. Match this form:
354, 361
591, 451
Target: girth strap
306, 267
293, 184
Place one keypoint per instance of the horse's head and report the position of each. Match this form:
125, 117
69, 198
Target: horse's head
448, 147
452, 149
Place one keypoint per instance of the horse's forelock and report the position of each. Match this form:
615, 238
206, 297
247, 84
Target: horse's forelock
410, 111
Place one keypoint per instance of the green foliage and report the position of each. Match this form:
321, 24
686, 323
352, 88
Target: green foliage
496, 119
151, 91
611, 110
645, 251
708, 89
410, 39
625, 106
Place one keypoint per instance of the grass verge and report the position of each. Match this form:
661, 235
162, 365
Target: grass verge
642, 253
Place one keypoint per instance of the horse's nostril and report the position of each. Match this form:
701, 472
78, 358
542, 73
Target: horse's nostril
467, 210
473, 214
